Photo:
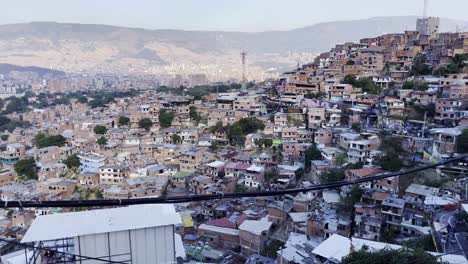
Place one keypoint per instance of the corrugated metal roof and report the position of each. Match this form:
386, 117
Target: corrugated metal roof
56, 226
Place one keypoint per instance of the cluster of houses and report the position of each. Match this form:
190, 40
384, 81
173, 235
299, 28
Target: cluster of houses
187, 149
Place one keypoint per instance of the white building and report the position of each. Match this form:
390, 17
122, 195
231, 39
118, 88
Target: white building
142, 234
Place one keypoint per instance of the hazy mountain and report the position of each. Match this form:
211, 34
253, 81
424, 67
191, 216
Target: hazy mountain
6, 68
101, 48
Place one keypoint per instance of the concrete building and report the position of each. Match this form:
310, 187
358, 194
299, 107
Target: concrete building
91, 162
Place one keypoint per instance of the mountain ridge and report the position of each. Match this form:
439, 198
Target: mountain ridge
75, 47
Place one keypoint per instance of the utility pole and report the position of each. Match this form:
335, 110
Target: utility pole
424, 124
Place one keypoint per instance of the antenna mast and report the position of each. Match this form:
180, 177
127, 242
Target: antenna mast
426, 6
243, 56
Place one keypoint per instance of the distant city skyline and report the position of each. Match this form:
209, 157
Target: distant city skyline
226, 15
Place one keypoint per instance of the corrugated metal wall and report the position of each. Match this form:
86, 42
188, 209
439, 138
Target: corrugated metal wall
140, 246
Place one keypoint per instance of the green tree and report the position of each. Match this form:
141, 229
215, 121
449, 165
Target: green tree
390, 256
72, 162
271, 175
145, 123
100, 130
350, 79
215, 128
462, 216
264, 142
240, 188
319, 95
43, 140
393, 145
4, 137
340, 159
243, 127
165, 118
176, 139
271, 250
312, 153
420, 66
17, 105
463, 142
124, 121
355, 166
83, 99
214, 145
391, 162
353, 197
356, 127
27, 168
332, 175
102, 141
194, 115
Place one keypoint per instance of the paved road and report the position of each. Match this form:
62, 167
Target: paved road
445, 218
462, 241
456, 243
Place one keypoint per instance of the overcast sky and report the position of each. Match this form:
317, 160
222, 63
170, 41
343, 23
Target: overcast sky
232, 15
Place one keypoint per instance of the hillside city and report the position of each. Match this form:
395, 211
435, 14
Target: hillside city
382, 105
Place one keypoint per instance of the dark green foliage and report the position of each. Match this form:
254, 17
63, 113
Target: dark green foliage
43, 140
17, 105
319, 95
27, 168
102, 98
10, 125
146, 123
271, 175
463, 142
420, 66
264, 142
72, 161
194, 115
457, 65
353, 197
100, 130
366, 83
390, 256
271, 250
102, 141
165, 118
124, 121
62, 100
412, 85
355, 166
356, 127
243, 127
83, 99
4, 137
241, 189
392, 145
215, 128
214, 146
332, 175
391, 162
175, 139
462, 216
312, 153
424, 242
198, 92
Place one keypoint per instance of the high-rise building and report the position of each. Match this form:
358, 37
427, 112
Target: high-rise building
428, 25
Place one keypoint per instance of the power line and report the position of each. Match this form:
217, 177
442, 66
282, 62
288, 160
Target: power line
206, 197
